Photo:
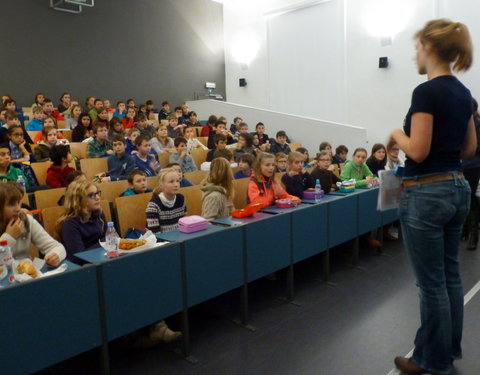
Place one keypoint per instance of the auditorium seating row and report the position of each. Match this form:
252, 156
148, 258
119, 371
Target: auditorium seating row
86, 307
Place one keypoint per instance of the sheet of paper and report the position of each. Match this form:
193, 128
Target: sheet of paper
390, 188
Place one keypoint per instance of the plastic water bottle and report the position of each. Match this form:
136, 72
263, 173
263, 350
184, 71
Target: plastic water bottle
111, 241
6, 258
318, 191
21, 182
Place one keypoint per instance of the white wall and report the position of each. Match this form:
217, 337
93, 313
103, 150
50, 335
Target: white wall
374, 98
307, 131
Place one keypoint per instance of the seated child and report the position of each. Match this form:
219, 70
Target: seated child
393, 161
100, 146
262, 187
137, 184
72, 119
49, 110
115, 127
235, 127
102, 117
280, 144
280, 162
244, 145
9, 172
340, 156
144, 161
47, 121
59, 170
181, 157
165, 111
357, 169
83, 223
107, 106
36, 123
120, 111
120, 164
324, 172
218, 190
42, 151
209, 126
21, 230
377, 161
166, 206
129, 119
297, 180
306, 155
132, 134
174, 129
192, 142
18, 152
83, 130
245, 163
192, 120
144, 127
161, 143
183, 181
260, 131
325, 146
220, 128
220, 142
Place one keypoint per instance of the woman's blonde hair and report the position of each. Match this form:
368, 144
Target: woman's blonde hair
76, 203
161, 179
450, 41
257, 166
221, 174
10, 193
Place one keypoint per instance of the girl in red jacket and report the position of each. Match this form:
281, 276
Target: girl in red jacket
262, 187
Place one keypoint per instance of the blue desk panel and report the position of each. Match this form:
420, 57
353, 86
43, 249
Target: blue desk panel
369, 218
214, 264
142, 288
389, 216
93, 256
176, 235
268, 246
342, 219
233, 221
275, 210
309, 231
326, 198
49, 320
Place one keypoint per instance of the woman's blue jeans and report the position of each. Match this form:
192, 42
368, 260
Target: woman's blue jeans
432, 216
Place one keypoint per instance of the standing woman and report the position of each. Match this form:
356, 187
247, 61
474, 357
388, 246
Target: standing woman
438, 132
471, 169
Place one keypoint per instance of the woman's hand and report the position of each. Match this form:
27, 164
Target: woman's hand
15, 228
368, 179
52, 259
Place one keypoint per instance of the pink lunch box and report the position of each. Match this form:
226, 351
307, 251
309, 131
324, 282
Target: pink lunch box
190, 224
283, 203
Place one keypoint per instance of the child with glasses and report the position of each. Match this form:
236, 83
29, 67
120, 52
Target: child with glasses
324, 172
83, 223
393, 161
